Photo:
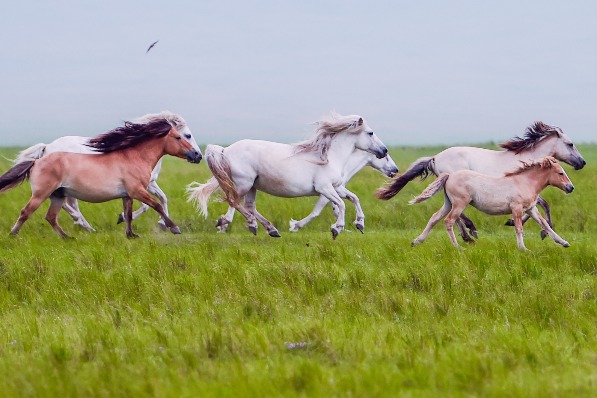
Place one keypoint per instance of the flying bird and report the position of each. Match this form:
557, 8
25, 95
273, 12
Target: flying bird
151, 46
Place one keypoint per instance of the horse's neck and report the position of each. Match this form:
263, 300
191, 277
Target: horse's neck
539, 151
534, 179
149, 152
356, 161
340, 150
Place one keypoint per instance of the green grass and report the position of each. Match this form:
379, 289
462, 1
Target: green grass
206, 314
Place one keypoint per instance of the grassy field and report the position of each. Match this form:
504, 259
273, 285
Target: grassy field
206, 314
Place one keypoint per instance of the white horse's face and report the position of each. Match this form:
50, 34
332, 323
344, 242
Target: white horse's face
564, 150
384, 165
368, 141
185, 133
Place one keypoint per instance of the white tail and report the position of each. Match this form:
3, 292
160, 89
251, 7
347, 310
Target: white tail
32, 153
199, 194
220, 168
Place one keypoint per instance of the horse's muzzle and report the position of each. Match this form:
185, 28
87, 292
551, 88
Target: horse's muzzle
568, 188
194, 156
579, 164
392, 173
380, 154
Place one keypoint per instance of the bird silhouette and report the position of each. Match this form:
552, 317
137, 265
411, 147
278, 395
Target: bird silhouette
151, 46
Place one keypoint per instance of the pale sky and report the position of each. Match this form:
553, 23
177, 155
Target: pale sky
420, 72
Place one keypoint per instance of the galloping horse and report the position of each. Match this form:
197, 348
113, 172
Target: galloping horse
123, 170
356, 162
540, 140
515, 193
79, 144
310, 168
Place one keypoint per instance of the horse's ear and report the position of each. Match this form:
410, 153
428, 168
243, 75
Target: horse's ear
360, 122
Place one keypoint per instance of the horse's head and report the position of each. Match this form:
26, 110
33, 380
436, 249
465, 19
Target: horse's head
557, 176
177, 145
565, 151
385, 165
366, 138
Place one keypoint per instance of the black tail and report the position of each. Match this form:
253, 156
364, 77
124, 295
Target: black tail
16, 175
422, 167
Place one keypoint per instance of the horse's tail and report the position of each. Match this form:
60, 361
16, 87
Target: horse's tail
220, 168
16, 175
432, 189
33, 152
422, 167
199, 194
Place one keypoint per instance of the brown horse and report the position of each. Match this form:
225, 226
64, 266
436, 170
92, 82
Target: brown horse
515, 193
128, 154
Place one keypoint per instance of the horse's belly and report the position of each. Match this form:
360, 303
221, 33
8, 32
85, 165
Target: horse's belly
284, 189
96, 194
492, 207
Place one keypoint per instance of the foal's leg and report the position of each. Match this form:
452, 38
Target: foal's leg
141, 194
452, 217
533, 212
127, 204
435, 218
517, 218
471, 227
319, 206
359, 222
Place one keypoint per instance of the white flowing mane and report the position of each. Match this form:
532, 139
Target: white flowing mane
324, 133
175, 120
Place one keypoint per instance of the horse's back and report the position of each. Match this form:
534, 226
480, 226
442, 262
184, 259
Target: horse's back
70, 143
485, 161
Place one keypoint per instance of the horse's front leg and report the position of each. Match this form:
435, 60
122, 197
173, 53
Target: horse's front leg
71, 206
141, 194
330, 193
517, 219
359, 222
533, 212
546, 208
319, 206
127, 204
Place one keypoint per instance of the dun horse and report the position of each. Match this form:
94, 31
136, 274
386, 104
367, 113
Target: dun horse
540, 140
122, 170
310, 168
78, 144
515, 193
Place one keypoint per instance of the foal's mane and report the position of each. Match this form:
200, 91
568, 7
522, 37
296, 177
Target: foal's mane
546, 163
534, 134
326, 130
129, 135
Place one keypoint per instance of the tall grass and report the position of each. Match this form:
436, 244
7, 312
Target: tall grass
233, 314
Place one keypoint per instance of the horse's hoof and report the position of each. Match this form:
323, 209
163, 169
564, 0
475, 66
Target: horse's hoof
219, 223
275, 234
162, 226
175, 230
360, 227
566, 244
335, 233
544, 235
474, 233
253, 230
510, 223
132, 235
120, 219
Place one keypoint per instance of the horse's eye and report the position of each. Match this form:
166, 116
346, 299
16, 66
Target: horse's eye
561, 174
570, 144
370, 133
187, 136
178, 138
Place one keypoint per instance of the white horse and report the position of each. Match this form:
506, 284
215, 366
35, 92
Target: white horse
78, 144
310, 168
540, 140
356, 162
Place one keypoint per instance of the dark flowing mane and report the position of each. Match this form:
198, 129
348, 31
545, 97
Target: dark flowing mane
532, 136
546, 162
129, 135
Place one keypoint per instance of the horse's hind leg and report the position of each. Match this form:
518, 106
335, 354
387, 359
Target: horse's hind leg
517, 218
435, 218
452, 217
462, 231
295, 225
250, 206
547, 209
533, 212
56, 202
225, 220
29, 208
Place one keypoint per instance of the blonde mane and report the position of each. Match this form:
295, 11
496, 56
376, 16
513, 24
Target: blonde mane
546, 162
326, 130
175, 120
